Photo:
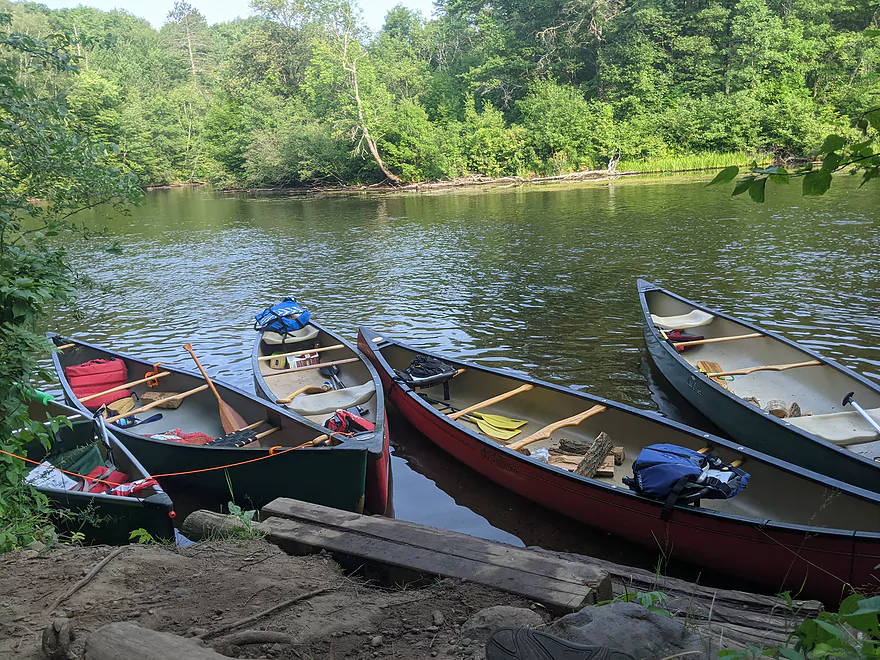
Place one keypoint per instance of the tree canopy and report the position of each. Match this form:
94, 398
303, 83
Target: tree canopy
301, 93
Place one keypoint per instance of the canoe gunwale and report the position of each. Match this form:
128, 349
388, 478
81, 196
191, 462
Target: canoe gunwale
617, 492
377, 442
645, 287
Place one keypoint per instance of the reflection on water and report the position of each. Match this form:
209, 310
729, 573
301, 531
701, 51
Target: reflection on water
540, 280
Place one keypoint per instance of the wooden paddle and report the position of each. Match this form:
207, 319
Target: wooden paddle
123, 387
766, 367
308, 351
489, 402
230, 419
717, 340
150, 406
545, 432
305, 389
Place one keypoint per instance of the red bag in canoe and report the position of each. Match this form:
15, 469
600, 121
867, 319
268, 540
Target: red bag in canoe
96, 376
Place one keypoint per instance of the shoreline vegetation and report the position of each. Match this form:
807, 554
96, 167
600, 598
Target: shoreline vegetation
301, 95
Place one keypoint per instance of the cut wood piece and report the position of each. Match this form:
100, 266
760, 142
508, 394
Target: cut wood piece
545, 432
765, 367
395, 545
595, 456
565, 462
492, 401
574, 446
155, 404
128, 640
308, 367
170, 404
619, 454
606, 469
777, 408
717, 340
124, 387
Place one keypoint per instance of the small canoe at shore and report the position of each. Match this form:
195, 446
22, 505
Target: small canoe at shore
766, 392
314, 372
789, 529
125, 498
278, 455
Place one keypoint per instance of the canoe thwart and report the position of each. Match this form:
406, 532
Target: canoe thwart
123, 387
717, 340
545, 432
307, 351
319, 365
492, 401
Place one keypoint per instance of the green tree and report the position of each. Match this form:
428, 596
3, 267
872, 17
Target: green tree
48, 173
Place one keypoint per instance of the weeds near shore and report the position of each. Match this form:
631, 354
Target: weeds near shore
699, 161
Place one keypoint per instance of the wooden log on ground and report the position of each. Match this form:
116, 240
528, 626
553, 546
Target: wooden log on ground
402, 551
128, 640
600, 448
202, 525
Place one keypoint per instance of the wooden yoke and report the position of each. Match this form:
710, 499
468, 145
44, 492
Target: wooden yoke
489, 402
150, 406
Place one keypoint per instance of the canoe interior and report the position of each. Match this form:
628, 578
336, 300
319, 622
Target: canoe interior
101, 518
198, 412
818, 390
773, 493
283, 385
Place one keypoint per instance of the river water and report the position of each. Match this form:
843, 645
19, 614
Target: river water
537, 279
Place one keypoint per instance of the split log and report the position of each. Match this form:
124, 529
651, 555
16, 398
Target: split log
600, 448
606, 469
619, 455
129, 640
574, 446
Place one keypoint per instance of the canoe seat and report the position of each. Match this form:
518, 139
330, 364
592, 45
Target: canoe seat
843, 428
692, 319
328, 402
303, 334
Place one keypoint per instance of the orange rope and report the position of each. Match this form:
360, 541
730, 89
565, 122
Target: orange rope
277, 450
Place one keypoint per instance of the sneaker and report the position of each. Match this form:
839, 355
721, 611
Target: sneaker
512, 643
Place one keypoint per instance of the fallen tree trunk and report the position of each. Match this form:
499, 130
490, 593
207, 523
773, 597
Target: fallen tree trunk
128, 640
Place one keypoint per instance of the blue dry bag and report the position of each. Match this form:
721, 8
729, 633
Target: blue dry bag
680, 475
284, 318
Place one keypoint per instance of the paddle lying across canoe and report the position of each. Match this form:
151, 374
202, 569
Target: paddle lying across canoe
172, 424
119, 496
314, 372
765, 391
789, 528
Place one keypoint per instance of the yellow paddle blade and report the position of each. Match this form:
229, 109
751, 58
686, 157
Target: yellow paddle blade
500, 421
488, 429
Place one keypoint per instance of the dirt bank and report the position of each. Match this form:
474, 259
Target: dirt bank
197, 591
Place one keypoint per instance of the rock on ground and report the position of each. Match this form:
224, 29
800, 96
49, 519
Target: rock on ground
480, 625
630, 628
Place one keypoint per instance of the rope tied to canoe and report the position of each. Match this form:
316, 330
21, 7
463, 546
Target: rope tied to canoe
277, 450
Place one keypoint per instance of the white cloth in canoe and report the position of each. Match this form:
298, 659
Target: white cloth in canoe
693, 319
843, 428
328, 402
303, 334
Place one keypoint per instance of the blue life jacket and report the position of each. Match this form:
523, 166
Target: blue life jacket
680, 475
284, 318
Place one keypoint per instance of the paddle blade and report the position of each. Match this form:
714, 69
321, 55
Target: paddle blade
500, 421
493, 431
230, 419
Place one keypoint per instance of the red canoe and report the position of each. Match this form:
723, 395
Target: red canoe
791, 529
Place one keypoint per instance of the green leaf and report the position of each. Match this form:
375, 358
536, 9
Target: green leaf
872, 33
742, 185
791, 654
831, 162
726, 175
873, 118
832, 143
832, 630
816, 183
756, 190
781, 177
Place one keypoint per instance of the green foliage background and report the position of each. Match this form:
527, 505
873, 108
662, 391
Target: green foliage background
495, 88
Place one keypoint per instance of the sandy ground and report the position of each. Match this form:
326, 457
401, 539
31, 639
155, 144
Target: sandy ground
196, 591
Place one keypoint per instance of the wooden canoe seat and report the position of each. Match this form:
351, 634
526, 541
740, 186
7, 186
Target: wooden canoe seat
307, 333
843, 428
328, 402
693, 319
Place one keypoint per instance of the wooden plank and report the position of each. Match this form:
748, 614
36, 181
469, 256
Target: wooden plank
561, 585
